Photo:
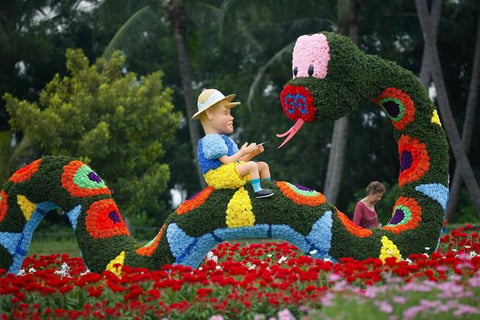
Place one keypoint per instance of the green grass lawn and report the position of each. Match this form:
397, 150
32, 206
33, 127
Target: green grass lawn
44, 247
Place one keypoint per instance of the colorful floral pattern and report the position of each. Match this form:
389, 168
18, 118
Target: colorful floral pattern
301, 195
414, 159
239, 210
407, 214
103, 220
81, 181
195, 201
398, 106
26, 172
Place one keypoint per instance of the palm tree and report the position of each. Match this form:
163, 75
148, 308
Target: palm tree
175, 12
468, 125
463, 164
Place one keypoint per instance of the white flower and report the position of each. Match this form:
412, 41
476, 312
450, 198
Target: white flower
282, 259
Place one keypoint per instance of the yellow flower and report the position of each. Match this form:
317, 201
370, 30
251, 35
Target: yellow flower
239, 210
389, 249
26, 206
435, 118
115, 265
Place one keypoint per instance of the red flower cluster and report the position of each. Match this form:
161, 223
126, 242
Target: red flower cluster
234, 280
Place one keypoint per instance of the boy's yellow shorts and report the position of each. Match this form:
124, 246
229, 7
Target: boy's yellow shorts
225, 177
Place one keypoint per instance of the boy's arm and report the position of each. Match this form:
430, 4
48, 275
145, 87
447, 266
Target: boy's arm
246, 152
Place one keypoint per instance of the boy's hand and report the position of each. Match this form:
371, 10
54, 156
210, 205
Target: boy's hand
251, 150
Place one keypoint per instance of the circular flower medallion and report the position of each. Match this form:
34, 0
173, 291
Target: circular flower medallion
3, 205
297, 103
195, 201
398, 106
407, 214
26, 172
103, 220
81, 181
414, 159
300, 194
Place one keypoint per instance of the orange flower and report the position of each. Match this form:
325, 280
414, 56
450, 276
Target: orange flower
195, 201
103, 220
414, 159
398, 106
26, 172
149, 248
352, 227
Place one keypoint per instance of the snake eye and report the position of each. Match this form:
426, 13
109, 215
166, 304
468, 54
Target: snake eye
295, 71
310, 70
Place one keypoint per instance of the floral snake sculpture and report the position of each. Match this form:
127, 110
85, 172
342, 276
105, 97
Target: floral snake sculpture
331, 77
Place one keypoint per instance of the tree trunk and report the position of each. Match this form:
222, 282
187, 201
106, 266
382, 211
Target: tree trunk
348, 24
467, 126
176, 14
425, 72
445, 111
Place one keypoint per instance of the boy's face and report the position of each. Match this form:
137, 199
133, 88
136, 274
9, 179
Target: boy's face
220, 119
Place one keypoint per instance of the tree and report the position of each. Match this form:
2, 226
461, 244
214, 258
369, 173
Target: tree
467, 127
175, 12
347, 25
116, 122
456, 144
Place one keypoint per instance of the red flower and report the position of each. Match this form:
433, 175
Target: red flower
95, 292
203, 292
3, 205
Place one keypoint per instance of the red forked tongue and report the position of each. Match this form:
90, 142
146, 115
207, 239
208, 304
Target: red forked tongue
291, 132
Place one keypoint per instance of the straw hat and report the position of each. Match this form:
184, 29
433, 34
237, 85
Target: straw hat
209, 97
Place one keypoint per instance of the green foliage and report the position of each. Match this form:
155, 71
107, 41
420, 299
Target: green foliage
116, 122
5, 152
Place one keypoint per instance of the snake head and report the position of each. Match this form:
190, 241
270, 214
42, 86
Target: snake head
323, 85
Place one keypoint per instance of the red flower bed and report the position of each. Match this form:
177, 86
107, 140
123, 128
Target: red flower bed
235, 281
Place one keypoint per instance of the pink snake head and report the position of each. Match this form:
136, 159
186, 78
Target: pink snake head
311, 54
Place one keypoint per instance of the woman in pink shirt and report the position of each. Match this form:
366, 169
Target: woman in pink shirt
365, 215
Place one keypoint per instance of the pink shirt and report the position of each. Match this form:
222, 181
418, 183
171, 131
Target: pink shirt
365, 217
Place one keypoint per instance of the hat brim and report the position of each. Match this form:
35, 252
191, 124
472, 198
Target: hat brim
230, 104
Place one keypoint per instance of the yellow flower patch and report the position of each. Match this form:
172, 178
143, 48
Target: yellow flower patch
239, 210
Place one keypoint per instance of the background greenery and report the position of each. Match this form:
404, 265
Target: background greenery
230, 44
